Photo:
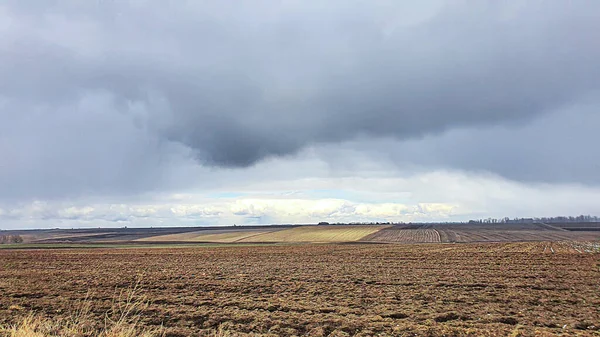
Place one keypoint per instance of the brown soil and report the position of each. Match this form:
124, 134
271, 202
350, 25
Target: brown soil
487, 289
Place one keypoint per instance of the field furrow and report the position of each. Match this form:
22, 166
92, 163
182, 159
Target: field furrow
400, 235
484, 289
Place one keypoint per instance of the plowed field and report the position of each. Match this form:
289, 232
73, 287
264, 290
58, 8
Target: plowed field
405, 236
447, 234
402, 233
487, 289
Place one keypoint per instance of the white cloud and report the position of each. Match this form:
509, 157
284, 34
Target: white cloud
387, 196
75, 213
195, 211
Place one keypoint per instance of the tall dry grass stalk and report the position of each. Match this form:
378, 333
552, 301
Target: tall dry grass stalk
121, 320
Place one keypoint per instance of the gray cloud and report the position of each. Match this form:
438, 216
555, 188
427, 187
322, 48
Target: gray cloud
558, 147
84, 148
108, 95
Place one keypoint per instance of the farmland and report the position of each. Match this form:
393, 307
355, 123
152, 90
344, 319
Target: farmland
402, 233
292, 234
477, 289
318, 234
222, 236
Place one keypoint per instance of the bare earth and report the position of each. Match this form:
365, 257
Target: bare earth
480, 289
410, 233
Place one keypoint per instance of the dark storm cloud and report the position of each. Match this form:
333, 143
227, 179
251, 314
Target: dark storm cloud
559, 147
240, 83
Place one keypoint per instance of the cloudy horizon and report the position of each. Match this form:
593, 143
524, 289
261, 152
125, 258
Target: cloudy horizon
152, 113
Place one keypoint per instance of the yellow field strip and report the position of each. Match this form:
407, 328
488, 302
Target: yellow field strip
330, 233
203, 236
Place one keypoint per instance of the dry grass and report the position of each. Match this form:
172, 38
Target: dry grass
122, 320
38, 326
331, 233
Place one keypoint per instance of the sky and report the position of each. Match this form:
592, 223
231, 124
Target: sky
194, 113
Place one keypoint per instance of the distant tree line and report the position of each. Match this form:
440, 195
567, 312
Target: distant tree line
5, 239
556, 219
547, 220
